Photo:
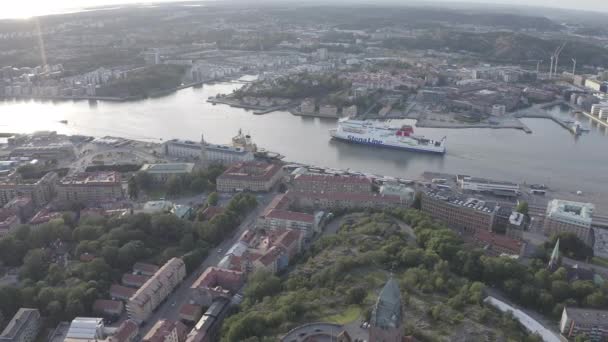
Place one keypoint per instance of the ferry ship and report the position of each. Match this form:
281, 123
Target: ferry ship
375, 134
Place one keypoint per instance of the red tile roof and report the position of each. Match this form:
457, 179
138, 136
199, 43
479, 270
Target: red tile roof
44, 216
125, 331
502, 241
161, 329
280, 201
290, 215
119, 291
190, 310
214, 277
129, 279
104, 305
211, 212
287, 239
145, 268
271, 255
261, 171
347, 196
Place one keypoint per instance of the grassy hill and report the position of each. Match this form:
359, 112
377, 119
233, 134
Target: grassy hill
505, 46
339, 279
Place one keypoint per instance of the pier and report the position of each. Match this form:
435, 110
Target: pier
593, 118
539, 112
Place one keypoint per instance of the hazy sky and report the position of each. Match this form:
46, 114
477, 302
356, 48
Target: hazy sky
25, 8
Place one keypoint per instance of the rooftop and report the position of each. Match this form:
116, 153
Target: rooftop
290, 215
577, 211
101, 305
347, 196
126, 329
18, 322
134, 279
44, 216
493, 239
92, 178
168, 168
212, 211
121, 291
214, 277
457, 199
85, 328
145, 268
332, 179
387, 310
486, 181
251, 171
588, 316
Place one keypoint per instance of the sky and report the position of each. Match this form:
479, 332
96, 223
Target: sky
28, 8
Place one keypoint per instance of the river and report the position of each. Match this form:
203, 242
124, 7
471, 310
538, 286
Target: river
550, 155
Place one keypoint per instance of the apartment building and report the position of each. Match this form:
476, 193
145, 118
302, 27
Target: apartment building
465, 213
90, 187
344, 200
216, 282
23, 327
278, 216
589, 323
331, 183
250, 176
41, 191
567, 216
495, 244
155, 290
166, 331
126, 332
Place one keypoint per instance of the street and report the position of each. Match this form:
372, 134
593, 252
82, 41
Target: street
169, 309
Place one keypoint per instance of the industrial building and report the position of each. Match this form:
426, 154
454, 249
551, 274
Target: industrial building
85, 329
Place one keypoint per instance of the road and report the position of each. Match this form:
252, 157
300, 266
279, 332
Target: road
169, 309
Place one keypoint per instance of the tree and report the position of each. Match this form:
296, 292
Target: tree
133, 188
523, 208
570, 245
174, 185
213, 198
356, 295
143, 180
35, 265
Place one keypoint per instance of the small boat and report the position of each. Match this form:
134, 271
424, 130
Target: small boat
65, 122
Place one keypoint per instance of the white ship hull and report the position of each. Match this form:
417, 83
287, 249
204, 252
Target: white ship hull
365, 133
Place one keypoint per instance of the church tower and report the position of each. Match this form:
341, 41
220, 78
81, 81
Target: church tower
204, 159
554, 261
386, 323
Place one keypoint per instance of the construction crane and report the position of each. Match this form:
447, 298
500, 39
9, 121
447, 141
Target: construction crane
573, 67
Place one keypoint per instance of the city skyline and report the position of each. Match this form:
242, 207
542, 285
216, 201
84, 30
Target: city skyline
31, 8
